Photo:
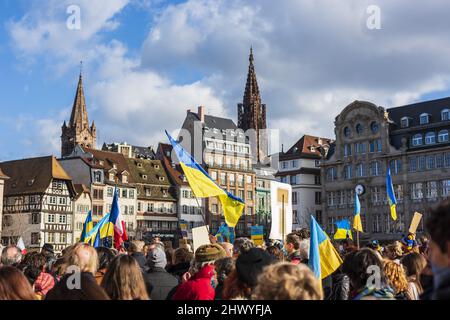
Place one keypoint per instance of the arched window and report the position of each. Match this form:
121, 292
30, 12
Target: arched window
374, 127
347, 132
404, 122
417, 140
359, 128
375, 168
443, 136
430, 138
347, 172
424, 118
360, 170
445, 115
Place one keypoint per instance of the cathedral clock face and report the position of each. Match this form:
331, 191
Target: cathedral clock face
359, 189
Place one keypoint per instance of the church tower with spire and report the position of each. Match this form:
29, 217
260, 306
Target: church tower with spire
78, 131
252, 115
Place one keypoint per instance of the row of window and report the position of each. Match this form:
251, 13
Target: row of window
359, 129
375, 168
424, 118
430, 138
159, 208
295, 179
430, 162
191, 210
373, 146
160, 225
97, 210
56, 237
317, 197
227, 147
83, 208
215, 209
231, 178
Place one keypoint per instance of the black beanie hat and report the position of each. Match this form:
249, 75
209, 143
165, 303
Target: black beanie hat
250, 264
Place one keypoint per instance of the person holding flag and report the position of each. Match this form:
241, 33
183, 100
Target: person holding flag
357, 224
391, 194
203, 186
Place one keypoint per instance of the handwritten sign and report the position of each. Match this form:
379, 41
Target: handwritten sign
415, 222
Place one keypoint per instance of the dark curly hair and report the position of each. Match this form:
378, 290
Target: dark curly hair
223, 268
105, 256
438, 224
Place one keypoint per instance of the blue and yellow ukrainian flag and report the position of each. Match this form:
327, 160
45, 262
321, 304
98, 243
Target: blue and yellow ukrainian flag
323, 257
100, 231
87, 226
225, 233
204, 187
343, 230
357, 224
391, 194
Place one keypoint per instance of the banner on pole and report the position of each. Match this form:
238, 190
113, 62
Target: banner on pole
257, 235
281, 210
184, 229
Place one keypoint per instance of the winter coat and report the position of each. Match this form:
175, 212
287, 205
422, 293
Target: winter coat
88, 289
198, 287
341, 287
371, 293
141, 260
159, 283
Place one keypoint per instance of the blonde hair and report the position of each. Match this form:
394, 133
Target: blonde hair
83, 256
124, 280
137, 246
286, 281
395, 275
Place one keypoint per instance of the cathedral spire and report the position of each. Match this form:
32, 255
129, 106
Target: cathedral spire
251, 93
79, 116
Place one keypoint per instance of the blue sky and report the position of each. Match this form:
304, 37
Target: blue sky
147, 61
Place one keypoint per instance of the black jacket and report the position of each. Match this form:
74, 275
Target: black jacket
140, 258
88, 288
161, 281
340, 288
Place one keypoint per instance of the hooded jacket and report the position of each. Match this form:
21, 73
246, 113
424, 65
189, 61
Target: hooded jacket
198, 287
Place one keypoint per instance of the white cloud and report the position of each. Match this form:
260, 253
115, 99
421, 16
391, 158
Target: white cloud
312, 59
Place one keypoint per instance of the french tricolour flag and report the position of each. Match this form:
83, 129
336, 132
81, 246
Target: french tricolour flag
120, 234
21, 245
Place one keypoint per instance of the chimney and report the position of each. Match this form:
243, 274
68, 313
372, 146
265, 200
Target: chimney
188, 111
201, 113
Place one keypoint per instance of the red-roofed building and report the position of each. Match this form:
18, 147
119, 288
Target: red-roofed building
300, 167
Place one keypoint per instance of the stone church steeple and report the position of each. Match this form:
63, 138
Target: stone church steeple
252, 114
78, 130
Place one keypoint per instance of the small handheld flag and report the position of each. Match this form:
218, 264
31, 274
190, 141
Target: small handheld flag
87, 226
357, 225
343, 230
391, 194
21, 245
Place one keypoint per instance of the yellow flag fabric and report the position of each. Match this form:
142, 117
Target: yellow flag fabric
204, 187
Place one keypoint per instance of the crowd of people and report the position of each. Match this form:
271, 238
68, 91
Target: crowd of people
239, 271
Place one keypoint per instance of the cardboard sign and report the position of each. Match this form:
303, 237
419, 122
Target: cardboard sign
257, 235
200, 236
281, 207
184, 229
415, 222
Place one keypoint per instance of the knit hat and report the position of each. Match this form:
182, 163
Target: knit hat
251, 263
209, 252
156, 258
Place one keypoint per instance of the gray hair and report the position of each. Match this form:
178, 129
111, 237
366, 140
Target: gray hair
11, 259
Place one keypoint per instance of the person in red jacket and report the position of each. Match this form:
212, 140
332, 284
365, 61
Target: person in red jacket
200, 282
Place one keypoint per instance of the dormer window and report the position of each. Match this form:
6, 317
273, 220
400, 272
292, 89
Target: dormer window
124, 178
139, 165
359, 128
156, 166
114, 166
161, 178
404, 122
144, 176
424, 118
445, 115
30, 182
111, 176
101, 162
164, 192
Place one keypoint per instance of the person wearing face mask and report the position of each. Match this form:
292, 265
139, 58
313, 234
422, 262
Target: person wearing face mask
438, 226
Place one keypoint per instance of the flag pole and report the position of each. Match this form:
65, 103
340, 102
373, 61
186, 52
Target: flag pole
357, 239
